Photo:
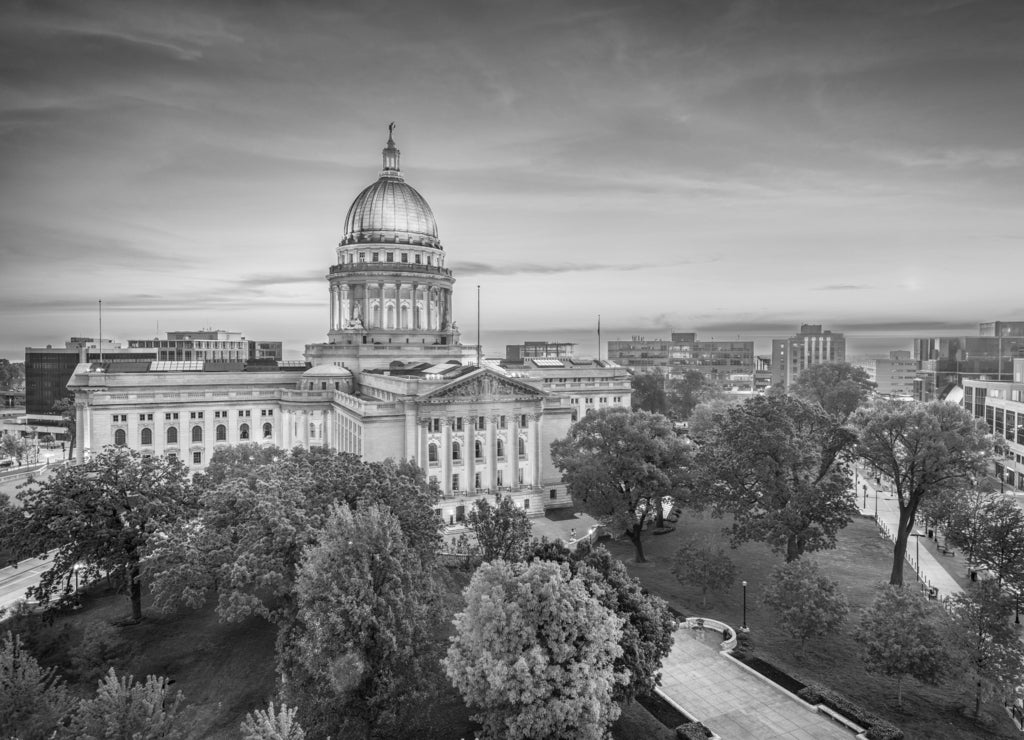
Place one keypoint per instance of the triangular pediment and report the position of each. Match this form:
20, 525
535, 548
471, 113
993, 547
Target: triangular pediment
483, 384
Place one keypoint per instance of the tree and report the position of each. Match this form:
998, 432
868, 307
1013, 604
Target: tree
13, 446
807, 603
502, 531
838, 387
124, 708
686, 393
533, 653
999, 543
12, 375
242, 462
649, 392
900, 636
924, 448
620, 465
984, 632
246, 544
33, 702
775, 464
101, 515
705, 567
648, 625
359, 650
265, 724
65, 407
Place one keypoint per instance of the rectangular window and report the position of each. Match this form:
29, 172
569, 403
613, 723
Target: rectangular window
405, 256
455, 482
362, 256
522, 475
435, 425
457, 423
526, 503
502, 422
522, 420
417, 259
197, 458
195, 414
376, 256
481, 422
501, 478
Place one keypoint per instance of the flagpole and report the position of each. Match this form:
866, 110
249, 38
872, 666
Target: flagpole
101, 331
599, 337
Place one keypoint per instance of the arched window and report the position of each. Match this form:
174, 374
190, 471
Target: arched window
120, 438
147, 436
243, 431
222, 433
268, 430
501, 448
522, 447
478, 449
432, 453
456, 451
172, 435
197, 433
312, 430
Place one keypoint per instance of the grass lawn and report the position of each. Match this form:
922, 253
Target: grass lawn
227, 670
861, 561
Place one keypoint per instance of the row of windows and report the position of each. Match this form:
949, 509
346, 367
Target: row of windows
390, 257
479, 483
171, 434
478, 450
173, 415
459, 423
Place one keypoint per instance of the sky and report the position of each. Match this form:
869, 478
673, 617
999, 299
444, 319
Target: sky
727, 167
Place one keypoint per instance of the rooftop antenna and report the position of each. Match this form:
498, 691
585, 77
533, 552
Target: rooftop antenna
479, 347
101, 330
599, 337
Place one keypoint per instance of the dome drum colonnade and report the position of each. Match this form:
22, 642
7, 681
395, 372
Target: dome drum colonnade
390, 274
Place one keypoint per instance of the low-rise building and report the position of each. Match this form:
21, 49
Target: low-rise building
893, 375
726, 363
1001, 404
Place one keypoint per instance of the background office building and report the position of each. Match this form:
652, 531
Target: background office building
540, 350
1001, 405
947, 362
809, 346
725, 363
893, 375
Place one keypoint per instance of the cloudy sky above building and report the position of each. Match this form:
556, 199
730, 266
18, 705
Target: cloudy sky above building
715, 166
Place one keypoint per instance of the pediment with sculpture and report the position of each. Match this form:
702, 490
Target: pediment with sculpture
484, 385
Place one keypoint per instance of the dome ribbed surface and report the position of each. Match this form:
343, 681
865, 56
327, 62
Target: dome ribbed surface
390, 211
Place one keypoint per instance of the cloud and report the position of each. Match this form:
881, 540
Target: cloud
844, 286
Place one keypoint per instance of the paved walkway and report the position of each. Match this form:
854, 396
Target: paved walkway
932, 573
733, 702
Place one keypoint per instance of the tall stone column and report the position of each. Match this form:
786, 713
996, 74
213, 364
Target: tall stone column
492, 452
383, 319
445, 454
366, 305
80, 429
534, 447
398, 307
334, 304
424, 455
415, 308
469, 434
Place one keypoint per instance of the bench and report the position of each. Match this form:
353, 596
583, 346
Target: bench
948, 552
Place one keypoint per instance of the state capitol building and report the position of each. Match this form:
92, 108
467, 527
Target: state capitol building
393, 379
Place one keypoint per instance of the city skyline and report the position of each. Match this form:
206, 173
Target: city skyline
725, 168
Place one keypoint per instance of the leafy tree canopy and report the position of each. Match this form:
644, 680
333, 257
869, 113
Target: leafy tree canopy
775, 464
619, 465
359, 649
900, 636
705, 566
924, 449
648, 625
838, 387
248, 539
99, 516
806, 603
502, 531
534, 653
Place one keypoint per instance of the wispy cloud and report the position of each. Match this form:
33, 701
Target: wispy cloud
844, 286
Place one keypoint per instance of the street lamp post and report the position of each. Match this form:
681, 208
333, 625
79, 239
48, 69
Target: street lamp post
917, 565
876, 504
744, 628
865, 497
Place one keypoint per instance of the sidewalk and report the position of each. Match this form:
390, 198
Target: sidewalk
933, 573
732, 701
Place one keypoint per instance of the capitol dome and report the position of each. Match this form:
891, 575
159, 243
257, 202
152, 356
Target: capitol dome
390, 211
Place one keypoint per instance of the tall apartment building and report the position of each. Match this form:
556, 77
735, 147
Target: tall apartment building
1001, 405
894, 375
723, 362
809, 346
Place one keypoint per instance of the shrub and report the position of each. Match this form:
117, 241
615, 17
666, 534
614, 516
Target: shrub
877, 728
101, 645
692, 731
